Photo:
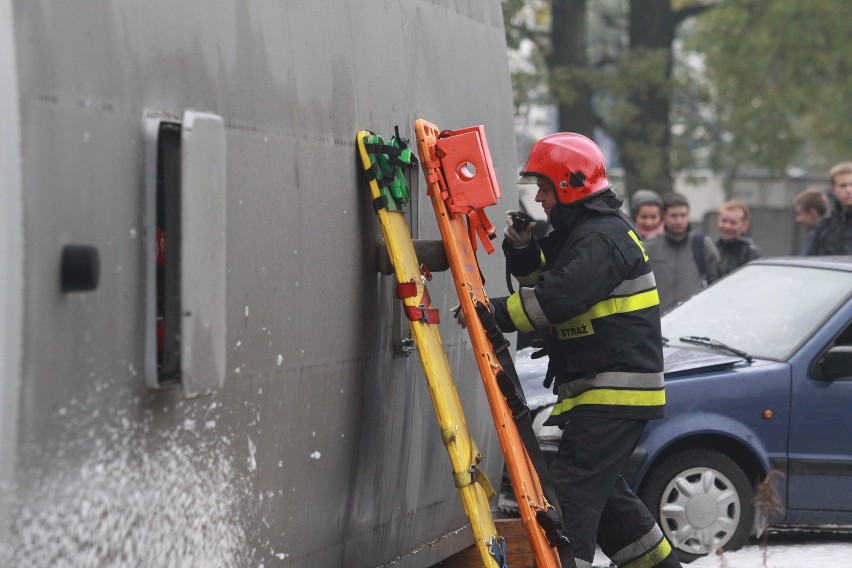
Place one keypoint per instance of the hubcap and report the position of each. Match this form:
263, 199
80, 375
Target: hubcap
700, 510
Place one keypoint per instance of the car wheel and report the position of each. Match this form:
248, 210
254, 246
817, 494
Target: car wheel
702, 501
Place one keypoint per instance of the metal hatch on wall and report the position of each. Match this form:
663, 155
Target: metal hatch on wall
185, 251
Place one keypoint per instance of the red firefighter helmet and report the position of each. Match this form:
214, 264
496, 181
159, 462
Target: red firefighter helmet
571, 162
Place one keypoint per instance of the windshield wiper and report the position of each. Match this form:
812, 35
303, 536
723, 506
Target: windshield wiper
718, 345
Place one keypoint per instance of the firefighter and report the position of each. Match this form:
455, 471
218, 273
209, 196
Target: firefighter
588, 286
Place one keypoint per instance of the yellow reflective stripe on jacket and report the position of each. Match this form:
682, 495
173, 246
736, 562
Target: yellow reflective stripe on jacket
638, 243
531, 278
613, 397
612, 306
517, 313
580, 326
612, 380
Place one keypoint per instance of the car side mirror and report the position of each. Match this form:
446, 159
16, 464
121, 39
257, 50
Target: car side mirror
837, 363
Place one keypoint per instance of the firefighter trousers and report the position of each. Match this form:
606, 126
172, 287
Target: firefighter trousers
597, 504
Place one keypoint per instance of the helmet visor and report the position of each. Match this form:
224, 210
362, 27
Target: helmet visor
528, 179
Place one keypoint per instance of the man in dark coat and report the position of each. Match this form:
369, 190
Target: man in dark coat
834, 233
735, 248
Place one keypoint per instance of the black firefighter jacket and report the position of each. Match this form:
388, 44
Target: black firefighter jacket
589, 286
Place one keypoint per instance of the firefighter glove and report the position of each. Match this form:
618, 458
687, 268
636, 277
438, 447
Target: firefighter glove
518, 235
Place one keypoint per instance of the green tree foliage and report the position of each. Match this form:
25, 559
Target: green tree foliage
528, 41
608, 66
757, 83
778, 82
644, 135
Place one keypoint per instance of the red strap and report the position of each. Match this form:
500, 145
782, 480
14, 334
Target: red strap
484, 229
425, 315
406, 290
423, 312
434, 176
486, 224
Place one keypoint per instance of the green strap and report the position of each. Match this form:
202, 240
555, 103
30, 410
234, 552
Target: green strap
387, 162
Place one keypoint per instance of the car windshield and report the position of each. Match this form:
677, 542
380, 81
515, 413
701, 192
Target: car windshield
764, 310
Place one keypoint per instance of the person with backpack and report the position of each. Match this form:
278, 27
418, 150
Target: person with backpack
684, 261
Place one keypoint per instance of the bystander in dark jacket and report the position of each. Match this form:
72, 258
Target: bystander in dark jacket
811, 206
735, 249
834, 233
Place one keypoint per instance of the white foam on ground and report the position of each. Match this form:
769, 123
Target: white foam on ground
130, 498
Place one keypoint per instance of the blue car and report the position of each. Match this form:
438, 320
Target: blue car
758, 384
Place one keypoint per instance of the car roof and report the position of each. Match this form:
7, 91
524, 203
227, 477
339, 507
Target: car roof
831, 262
